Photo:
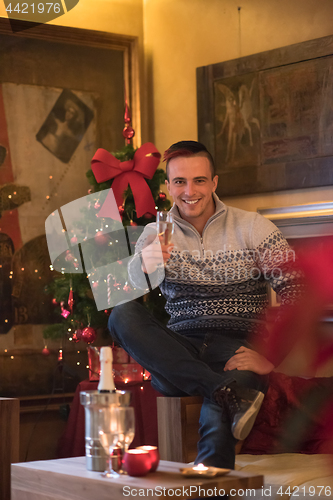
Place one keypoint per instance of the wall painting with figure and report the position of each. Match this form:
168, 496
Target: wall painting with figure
268, 118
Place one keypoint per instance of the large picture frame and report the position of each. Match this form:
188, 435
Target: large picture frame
268, 118
81, 43
62, 96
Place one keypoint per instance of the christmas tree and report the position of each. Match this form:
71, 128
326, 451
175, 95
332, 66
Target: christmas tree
72, 290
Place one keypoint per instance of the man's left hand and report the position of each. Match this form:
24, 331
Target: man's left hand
247, 359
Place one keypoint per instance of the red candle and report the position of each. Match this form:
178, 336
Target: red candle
137, 462
154, 456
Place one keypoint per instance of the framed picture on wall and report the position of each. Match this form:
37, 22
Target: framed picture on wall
268, 118
62, 96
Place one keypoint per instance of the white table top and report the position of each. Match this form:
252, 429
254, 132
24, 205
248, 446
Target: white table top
69, 479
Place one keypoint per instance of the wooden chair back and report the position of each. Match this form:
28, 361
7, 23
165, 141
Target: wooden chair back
9, 442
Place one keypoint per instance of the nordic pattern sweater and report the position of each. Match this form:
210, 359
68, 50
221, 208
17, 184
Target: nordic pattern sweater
219, 280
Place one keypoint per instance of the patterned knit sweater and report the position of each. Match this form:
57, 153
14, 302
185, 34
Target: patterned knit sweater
218, 280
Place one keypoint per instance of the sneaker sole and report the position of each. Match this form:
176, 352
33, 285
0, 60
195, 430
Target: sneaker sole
243, 427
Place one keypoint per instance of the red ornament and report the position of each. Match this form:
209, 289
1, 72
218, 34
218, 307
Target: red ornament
76, 337
69, 256
65, 313
127, 288
162, 196
121, 209
127, 115
148, 215
97, 205
54, 301
88, 335
46, 351
74, 240
101, 238
70, 301
128, 132
132, 223
95, 285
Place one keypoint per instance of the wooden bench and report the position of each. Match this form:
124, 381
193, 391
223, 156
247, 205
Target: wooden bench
178, 428
9, 442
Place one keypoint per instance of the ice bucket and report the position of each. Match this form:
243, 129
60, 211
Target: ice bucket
93, 401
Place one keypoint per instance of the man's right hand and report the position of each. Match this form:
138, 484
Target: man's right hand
153, 253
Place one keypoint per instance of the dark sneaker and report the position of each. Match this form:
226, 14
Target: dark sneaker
242, 406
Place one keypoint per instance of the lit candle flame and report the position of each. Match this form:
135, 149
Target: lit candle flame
200, 467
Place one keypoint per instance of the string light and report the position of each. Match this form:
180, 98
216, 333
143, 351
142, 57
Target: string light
12, 357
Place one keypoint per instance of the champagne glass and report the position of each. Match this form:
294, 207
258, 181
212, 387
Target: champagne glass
108, 431
126, 428
164, 226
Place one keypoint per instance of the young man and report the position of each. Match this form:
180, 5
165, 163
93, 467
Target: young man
216, 274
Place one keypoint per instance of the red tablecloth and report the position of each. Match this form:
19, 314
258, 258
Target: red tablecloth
71, 444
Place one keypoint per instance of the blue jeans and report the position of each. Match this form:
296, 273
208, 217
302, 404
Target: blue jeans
188, 364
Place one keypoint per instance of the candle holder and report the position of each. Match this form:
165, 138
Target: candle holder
137, 462
203, 471
154, 455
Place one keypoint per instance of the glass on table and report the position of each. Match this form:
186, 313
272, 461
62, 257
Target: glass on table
126, 426
108, 432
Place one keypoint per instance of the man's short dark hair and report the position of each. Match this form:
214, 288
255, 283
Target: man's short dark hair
188, 148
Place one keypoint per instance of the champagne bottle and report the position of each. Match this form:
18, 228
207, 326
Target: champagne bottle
106, 383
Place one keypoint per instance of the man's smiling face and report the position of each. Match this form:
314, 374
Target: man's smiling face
191, 186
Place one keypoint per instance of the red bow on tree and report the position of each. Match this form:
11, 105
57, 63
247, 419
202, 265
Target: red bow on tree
132, 172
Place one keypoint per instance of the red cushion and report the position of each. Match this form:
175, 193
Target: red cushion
283, 423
